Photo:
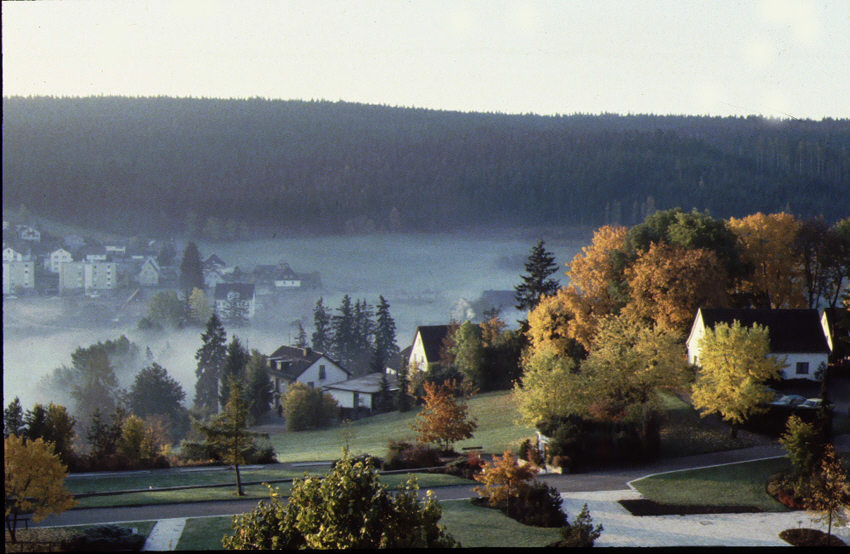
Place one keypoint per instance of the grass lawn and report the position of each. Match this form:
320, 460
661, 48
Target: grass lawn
497, 430
473, 526
685, 433
738, 484
425, 480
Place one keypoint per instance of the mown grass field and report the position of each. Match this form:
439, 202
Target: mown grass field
473, 526
495, 413
740, 484
425, 480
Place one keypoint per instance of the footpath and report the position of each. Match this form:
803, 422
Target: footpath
600, 490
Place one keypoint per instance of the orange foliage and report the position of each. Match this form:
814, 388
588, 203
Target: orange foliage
668, 283
590, 294
504, 478
443, 420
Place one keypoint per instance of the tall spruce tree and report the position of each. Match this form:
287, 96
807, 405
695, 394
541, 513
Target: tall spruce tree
211, 357
342, 326
191, 270
301, 337
363, 336
13, 418
234, 369
402, 400
321, 339
385, 341
540, 265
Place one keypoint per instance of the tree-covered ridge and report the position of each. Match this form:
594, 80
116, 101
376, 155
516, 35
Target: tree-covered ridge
308, 166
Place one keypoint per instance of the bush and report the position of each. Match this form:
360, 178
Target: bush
580, 533
372, 461
467, 467
403, 455
538, 504
347, 508
107, 538
305, 407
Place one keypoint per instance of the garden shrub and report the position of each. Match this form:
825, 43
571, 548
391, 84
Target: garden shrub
403, 455
305, 407
538, 504
467, 467
107, 538
580, 533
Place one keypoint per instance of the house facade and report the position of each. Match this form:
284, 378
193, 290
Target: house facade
796, 337
362, 393
426, 346
12, 255
87, 276
836, 327
25, 232
231, 298
289, 364
18, 275
58, 257
148, 275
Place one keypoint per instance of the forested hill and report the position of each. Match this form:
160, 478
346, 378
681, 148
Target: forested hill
133, 164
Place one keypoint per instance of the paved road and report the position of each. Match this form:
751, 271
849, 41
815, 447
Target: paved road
602, 480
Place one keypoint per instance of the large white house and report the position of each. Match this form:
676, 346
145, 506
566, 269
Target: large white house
18, 275
426, 346
57, 258
87, 276
231, 297
305, 365
796, 336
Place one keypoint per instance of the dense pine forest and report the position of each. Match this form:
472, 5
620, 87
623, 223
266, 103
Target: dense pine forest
175, 165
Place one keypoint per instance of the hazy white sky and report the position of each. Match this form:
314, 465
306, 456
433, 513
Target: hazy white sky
719, 57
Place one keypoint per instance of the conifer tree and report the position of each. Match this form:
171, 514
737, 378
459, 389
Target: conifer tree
402, 401
191, 271
385, 341
540, 265
13, 418
342, 325
211, 357
234, 368
322, 338
301, 337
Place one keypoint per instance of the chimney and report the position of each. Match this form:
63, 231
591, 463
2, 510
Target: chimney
305, 351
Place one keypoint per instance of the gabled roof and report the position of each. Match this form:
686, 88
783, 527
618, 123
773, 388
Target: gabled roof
369, 384
245, 290
790, 330
299, 360
213, 260
432, 340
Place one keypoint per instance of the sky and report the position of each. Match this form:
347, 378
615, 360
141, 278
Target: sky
777, 58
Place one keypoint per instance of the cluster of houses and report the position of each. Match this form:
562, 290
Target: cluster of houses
34, 261
37, 262
807, 340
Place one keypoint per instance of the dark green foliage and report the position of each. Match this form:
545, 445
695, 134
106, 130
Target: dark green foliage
321, 338
343, 331
107, 538
301, 337
235, 363
470, 167
536, 283
103, 433
402, 399
385, 339
580, 533
191, 269
154, 392
347, 508
167, 254
165, 310
258, 384
579, 443
307, 408
53, 424
538, 504
211, 357
13, 418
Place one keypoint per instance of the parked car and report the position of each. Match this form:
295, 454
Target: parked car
789, 400
811, 403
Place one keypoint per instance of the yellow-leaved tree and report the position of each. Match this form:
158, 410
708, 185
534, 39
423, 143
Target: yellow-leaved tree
35, 481
734, 366
767, 244
668, 283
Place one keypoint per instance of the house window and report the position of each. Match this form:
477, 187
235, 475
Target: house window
802, 368
311, 385
356, 400
322, 372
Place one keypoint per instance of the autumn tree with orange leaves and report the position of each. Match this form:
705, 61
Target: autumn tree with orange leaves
596, 279
444, 420
668, 283
503, 478
767, 244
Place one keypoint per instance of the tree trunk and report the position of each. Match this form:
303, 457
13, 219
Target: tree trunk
733, 431
238, 482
